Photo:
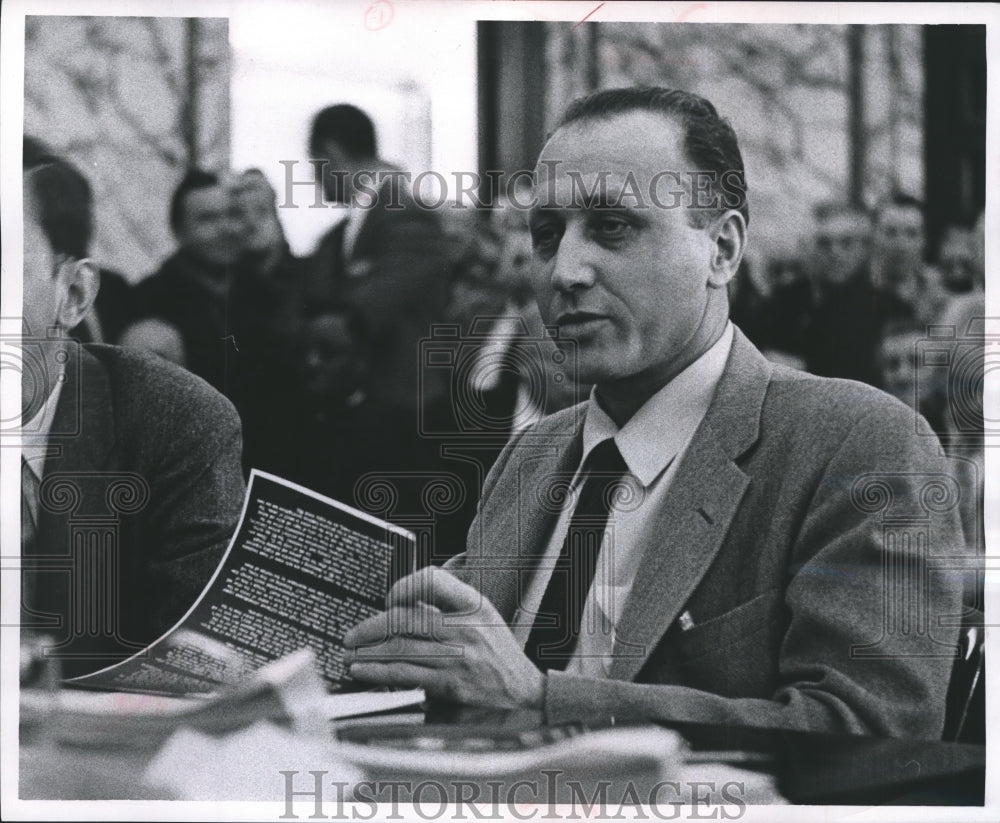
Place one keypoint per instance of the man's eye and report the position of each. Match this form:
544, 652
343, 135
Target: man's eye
611, 227
544, 236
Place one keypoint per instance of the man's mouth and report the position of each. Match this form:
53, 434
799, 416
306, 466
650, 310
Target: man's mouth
578, 321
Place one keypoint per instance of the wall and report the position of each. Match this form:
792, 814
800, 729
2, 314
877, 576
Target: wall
786, 91
132, 102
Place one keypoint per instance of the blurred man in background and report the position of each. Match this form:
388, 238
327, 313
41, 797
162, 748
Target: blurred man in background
190, 291
957, 260
844, 327
843, 241
224, 304
387, 257
907, 288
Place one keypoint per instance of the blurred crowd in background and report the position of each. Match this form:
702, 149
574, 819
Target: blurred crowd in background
408, 345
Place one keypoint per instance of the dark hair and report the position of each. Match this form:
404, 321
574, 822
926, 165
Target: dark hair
63, 198
347, 126
709, 140
193, 180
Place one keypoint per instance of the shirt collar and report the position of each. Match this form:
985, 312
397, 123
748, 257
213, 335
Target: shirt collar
666, 422
35, 433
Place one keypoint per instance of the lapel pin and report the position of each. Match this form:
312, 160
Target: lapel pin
685, 621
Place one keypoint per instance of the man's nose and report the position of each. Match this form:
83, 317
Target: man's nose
573, 264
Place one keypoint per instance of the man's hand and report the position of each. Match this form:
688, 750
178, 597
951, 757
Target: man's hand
443, 635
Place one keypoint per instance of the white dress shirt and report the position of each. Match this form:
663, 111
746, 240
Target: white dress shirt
652, 443
35, 437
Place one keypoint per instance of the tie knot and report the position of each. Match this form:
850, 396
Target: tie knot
606, 459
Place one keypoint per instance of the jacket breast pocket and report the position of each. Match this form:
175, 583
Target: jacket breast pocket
736, 653
727, 629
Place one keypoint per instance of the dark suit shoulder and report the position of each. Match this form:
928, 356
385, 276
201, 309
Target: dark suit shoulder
160, 391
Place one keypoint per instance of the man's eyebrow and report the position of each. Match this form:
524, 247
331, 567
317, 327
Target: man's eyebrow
609, 198
544, 207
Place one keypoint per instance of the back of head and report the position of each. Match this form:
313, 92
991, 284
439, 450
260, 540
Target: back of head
63, 199
347, 126
709, 140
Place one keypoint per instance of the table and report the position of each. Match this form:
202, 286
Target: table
807, 768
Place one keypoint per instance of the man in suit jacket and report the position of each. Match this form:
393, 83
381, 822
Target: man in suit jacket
131, 479
769, 559
388, 258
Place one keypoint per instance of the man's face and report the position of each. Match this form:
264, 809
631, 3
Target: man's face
957, 261
899, 366
628, 284
331, 358
843, 242
43, 290
337, 186
260, 229
210, 226
899, 234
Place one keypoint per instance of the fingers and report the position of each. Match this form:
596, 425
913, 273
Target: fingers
439, 684
402, 675
412, 621
436, 587
414, 650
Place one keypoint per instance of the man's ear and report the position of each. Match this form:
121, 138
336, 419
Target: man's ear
729, 241
81, 282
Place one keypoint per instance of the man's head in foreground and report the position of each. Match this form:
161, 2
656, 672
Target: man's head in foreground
60, 281
640, 223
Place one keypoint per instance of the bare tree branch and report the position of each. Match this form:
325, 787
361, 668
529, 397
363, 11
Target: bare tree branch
163, 57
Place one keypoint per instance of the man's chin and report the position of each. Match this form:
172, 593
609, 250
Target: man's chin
598, 370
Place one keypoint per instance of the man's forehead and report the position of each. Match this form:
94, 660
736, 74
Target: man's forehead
638, 141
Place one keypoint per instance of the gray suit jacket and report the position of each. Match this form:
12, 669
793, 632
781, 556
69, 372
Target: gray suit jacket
140, 493
800, 534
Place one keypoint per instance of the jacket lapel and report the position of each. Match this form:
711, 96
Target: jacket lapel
82, 434
703, 498
524, 513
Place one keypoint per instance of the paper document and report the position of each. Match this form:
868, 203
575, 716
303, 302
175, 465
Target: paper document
300, 570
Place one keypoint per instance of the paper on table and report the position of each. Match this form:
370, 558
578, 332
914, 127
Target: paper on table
288, 691
246, 765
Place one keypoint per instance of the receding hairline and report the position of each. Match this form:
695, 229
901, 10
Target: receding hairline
597, 119
581, 124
